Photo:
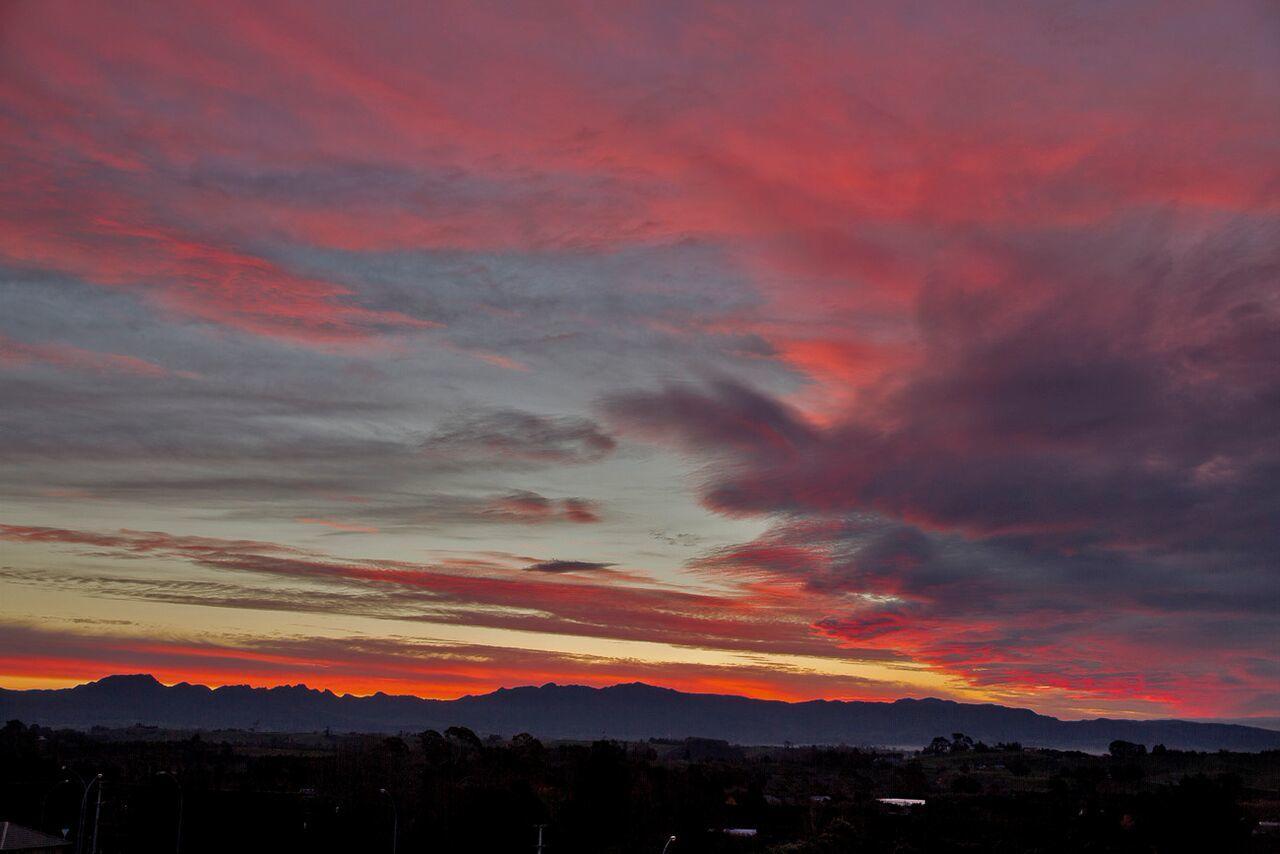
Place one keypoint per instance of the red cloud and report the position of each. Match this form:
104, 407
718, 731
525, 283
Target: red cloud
532, 507
17, 353
860, 170
495, 594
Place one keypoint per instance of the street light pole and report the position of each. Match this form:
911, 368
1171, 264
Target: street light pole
84, 802
395, 821
84, 787
177, 844
97, 814
670, 839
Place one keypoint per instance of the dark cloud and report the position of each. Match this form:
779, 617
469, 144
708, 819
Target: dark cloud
511, 437
558, 566
1071, 473
1137, 409
722, 417
443, 510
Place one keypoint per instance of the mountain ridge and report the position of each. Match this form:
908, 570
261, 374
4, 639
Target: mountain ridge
627, 711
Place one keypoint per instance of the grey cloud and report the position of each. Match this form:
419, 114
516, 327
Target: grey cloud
560, 566
507, 437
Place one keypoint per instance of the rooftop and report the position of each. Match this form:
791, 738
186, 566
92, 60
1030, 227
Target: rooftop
15, 837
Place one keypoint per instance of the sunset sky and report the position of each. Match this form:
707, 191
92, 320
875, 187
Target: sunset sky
795, 350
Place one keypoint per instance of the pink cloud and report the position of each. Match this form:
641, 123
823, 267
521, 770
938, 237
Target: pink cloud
17, 354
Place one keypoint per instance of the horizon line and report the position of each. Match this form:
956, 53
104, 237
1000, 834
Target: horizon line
1243, 721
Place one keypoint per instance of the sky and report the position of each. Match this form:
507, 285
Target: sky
805, 350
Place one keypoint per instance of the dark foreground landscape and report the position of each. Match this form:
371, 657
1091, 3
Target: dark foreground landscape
450, 787
456, 791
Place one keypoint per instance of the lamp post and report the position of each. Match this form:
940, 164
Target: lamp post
395, 820
84, 802
97, 814
177, 842
670, 839
83, 787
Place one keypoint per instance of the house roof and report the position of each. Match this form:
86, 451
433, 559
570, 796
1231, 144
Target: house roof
15, 837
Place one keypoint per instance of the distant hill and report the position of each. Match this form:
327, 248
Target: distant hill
627, 712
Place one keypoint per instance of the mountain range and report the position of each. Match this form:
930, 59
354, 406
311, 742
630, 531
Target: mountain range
627, 712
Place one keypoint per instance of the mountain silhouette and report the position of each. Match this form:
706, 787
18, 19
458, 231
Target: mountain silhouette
627, 712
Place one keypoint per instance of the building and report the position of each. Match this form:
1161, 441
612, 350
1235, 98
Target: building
901, 804
14, 838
